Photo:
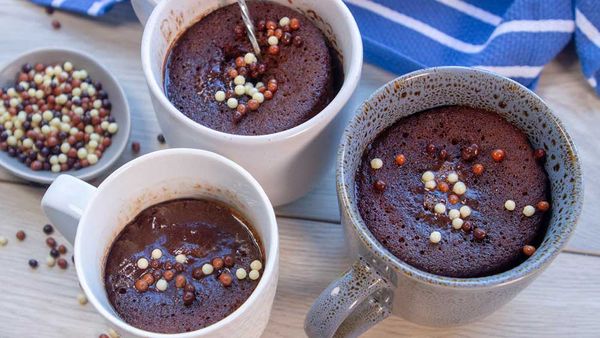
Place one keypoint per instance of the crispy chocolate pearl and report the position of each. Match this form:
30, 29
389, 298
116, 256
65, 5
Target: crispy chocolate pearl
48, 229
62, 263
21, 235
401, 219
33, 263
51, 242
62, 249
309, 75
202, 230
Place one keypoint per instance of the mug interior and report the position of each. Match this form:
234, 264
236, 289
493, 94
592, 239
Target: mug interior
443, 86
172, 18
159, 177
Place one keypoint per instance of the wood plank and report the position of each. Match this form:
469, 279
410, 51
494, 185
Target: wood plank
565, 299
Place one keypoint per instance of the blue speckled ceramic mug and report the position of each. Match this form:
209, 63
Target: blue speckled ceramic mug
378, 283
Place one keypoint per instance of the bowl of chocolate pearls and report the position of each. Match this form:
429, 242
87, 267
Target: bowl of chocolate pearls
61, 112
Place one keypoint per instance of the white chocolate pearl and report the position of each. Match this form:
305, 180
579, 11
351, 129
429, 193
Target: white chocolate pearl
465, 211
181, 258
68, 66
232, 103
112, 333
454, 213
452, 177
142, 263
528, 210
457, 223
92, 158
284, 21
241, 273
259, 85
161, 285
427, 176
239, 90
439, 208
435, 237
430, 185
258, 97
273, 40
156, 254
254, 274
510, 205
239, 80
112, 128
376, 163
55, 168
220, 96
82, 299
3, 241
256, 265
50, 261
459, 188
207, 269
250, 58
251, 91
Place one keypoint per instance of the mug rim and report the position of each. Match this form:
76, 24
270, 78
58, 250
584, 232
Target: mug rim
324, 117
532, 265
270, 270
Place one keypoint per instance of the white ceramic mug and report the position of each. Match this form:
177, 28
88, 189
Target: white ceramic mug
289, 163
92, 218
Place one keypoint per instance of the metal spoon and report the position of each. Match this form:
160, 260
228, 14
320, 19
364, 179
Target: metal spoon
249, 26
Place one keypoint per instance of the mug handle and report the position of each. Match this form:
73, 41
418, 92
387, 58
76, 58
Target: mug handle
350, 305
64, 203
143, 9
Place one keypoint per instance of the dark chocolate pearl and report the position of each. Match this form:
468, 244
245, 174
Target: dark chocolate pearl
48, 229
379, 185
54, 253
156, 274
189, 287
479, 234
33, 263
62, 263
51, 242
430, 148
229, 261
443, 154
188, 298
467, 226
178, 267
21, 235
161, 138
197, 273
154, 264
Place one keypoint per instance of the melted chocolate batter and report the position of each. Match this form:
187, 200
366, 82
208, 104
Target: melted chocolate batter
200, 229
402, 217
308, 76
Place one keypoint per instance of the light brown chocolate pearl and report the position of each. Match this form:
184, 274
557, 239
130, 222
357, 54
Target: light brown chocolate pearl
180, 281
141, 285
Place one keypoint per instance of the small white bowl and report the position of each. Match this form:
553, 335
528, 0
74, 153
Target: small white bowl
120, 111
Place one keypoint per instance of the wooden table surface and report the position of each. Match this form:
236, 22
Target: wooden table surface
565, 300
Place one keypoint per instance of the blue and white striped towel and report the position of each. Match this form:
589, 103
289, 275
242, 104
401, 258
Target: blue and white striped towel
515, 38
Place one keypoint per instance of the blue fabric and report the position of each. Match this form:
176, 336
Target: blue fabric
515, 38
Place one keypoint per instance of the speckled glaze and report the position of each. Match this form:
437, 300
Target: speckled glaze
413, 294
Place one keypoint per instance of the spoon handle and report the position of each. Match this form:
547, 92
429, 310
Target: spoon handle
249, 26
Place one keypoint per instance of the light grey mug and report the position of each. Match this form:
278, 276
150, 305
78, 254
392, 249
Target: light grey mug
379, 284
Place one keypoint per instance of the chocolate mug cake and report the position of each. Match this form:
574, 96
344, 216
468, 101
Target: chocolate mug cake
212, 75
455, 191
182, 265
